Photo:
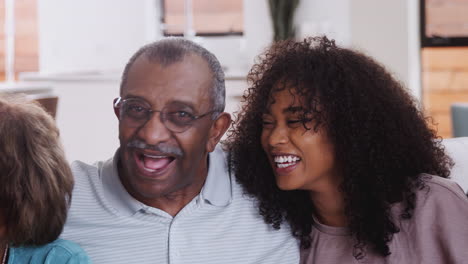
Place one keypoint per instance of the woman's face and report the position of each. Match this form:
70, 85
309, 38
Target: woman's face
300, 158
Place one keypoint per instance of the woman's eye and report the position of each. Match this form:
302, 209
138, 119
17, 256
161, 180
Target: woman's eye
298, 122
294, 121
266, 123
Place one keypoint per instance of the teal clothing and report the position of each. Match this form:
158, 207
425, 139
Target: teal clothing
58, 252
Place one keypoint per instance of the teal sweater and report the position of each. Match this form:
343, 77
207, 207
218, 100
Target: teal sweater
58, 252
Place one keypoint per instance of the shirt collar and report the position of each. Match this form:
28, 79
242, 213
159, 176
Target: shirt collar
114, 190
218, 187
216, 191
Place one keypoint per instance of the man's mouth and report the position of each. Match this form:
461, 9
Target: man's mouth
284, 161
154, 163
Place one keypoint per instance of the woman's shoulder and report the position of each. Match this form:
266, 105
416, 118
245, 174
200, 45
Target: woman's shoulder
66, 245
443, 188
439, 218
440, 195
58, 251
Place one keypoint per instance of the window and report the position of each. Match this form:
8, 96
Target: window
444, 29
25, 37
444, 23
202, 17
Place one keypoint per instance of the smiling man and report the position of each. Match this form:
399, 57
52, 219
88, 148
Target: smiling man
167, 195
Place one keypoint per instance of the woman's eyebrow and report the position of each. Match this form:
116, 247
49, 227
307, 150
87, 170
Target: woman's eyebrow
293, 109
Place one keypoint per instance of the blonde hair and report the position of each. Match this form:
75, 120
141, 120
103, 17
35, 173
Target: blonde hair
36, 181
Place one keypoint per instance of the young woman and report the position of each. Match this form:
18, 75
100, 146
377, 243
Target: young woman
35, 187
329, 142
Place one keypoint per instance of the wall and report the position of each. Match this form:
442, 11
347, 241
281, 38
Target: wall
387, 30
383, 37
89, 35
258, 27
331, 17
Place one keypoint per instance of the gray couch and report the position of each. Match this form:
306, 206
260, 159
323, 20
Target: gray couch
457, 149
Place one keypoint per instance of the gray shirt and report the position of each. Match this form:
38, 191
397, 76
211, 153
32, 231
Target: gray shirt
220, 225
436, 233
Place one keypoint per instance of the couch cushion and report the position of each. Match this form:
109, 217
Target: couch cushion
457, 149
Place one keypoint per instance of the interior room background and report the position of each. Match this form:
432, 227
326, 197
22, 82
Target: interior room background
77, 50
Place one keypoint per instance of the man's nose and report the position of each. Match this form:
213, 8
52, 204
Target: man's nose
154, 131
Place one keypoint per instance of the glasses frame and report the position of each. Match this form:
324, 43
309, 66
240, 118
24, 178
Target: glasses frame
118, 102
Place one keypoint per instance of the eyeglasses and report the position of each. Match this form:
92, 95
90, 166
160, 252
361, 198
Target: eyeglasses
136, 112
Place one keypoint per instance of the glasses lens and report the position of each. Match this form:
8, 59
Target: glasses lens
134, 112
177, 119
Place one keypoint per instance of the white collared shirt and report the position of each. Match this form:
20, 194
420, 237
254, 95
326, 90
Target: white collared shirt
220, 225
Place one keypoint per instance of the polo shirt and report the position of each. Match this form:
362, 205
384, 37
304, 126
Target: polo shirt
220, 225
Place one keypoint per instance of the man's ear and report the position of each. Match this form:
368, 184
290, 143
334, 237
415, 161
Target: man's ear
217, 130
116, 110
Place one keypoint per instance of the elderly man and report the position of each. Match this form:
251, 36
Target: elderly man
167, 195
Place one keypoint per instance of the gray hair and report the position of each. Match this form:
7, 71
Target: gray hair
173, 49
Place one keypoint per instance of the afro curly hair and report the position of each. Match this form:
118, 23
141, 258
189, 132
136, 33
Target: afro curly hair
381, 139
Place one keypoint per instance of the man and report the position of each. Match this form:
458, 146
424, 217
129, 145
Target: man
167, 195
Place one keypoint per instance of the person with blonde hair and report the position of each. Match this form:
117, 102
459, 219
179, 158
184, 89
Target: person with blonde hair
35, 187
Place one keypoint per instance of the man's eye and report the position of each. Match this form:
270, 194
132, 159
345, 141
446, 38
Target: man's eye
180, 117
136, 108
135, 111
183, 114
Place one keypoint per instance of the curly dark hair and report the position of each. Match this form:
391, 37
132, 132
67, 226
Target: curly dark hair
381, 139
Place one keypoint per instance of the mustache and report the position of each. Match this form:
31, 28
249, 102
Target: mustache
160, 147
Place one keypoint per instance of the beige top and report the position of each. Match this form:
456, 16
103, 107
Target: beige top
436, 233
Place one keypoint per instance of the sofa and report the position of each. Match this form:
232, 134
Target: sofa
457, 149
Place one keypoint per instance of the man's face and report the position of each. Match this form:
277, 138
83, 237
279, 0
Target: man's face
177, 162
